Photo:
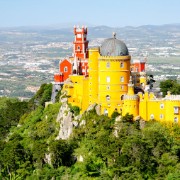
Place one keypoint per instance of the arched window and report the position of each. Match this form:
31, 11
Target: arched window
108, 98
121, 64
161, 116
108, 64
122, 79
176, 119
108, 87
152, 116
122, 97
161, 106
105, 112
176, 110
107, 79
65, 69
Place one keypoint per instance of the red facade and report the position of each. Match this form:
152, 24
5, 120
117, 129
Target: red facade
58, 78
65, 67
80, 43
138, 66
78, 64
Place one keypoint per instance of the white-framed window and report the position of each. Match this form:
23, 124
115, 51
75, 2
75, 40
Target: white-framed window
108, 64
122, 87
152, 116
161, 106
108, 87
121, 79
161, 116
78, 47
121, 64
107, 98
105, 112
176, 110
65, 69
108, 79
78, 35
176, 119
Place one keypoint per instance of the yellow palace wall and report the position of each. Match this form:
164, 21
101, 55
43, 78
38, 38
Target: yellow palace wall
105, 87
162, 110
114, 73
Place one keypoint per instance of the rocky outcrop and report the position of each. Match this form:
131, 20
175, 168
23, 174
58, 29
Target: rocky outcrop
65, 120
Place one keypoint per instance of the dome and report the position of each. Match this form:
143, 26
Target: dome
113, 47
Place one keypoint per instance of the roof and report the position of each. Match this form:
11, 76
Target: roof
113, 47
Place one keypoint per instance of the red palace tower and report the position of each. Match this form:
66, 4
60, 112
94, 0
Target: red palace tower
78, 63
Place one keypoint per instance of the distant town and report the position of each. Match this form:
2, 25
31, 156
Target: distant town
29, 58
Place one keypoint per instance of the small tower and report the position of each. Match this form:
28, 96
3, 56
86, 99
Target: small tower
80, 43
131, 101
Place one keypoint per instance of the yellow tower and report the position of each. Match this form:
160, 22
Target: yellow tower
131, 101
143, 80
114, 73
93, 75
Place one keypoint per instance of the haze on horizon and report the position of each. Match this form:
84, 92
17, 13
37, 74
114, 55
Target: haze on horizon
114, 13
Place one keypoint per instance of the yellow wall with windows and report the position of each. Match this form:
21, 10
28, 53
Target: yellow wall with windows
114, 73
106, 87
162, 110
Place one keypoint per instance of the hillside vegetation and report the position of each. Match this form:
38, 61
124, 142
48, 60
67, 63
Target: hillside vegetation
99, 147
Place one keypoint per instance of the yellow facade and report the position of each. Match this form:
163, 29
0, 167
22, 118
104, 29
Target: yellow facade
114, 73
130, 102
77, 90
93, 75
108, 85
165, 110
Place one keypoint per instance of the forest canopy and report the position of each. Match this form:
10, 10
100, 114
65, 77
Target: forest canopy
100, 147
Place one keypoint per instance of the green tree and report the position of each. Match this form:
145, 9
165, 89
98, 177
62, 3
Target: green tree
170, 85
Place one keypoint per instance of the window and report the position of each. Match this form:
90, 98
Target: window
108, 79
108, 98
161, 106
108, 87
176, 119
122, 87
122, 79
108, 65
78, 47
78, 35
65, 69
152, 116
121, 64
176, 110
122, 97
161, 116
105, 112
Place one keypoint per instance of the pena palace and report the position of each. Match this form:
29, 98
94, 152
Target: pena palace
107, 76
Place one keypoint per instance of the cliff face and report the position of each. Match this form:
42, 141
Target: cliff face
65, 121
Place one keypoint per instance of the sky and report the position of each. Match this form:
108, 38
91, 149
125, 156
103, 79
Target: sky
114, 13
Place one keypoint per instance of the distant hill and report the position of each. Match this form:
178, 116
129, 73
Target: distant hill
127, 32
